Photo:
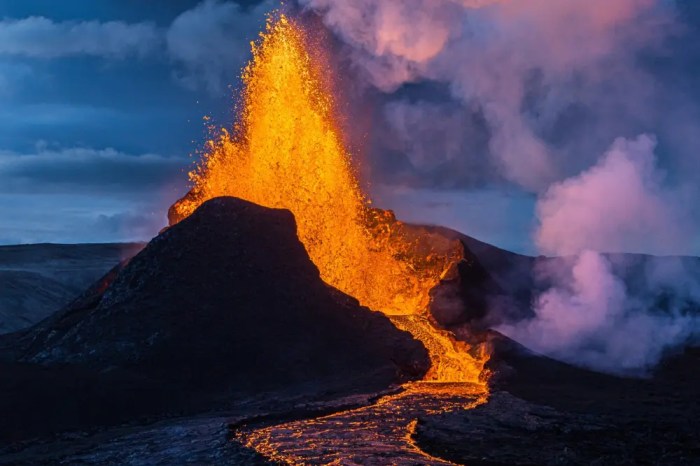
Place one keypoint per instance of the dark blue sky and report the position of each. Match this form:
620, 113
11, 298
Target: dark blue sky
103, 103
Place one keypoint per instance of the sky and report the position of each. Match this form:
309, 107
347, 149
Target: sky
102, 105
477, 117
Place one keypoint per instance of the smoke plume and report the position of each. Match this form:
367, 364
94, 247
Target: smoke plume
618, 205
550, 82
613, 312
468, 94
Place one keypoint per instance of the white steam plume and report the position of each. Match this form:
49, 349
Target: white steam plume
589, 315
525, 66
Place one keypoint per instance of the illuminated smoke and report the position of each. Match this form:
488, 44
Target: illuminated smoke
554, 82
589, 315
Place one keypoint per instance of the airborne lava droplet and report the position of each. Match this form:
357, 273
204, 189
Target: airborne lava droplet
287, 151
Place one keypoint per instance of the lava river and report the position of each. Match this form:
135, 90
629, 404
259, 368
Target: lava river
287, 150
381, 433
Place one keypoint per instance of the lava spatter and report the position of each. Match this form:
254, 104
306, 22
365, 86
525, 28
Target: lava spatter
287, 151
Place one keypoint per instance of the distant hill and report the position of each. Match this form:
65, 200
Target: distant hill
38, 279
510, 281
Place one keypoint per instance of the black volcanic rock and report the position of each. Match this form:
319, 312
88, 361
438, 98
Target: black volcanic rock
223, 305
231, 283
545, 412
492, 285
465, 293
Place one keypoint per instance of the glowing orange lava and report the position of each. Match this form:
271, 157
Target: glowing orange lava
287, 152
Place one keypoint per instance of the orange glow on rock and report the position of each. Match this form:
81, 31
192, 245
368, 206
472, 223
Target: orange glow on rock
287, 151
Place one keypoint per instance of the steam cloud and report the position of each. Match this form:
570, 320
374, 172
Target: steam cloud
553, 82
618, 205
531, 93
590, 315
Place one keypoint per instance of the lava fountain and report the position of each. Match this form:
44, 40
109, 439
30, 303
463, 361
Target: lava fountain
287, 151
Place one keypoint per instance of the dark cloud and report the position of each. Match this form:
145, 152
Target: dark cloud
82, 217
74, 195
40, 37
80, 170
208, 43
159, 12
211, 41
102, 83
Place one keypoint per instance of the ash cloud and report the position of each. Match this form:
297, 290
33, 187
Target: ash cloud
591, 317
621, 204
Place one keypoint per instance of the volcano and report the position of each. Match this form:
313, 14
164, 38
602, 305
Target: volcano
224, 305
288, 151
282, 318
223, 340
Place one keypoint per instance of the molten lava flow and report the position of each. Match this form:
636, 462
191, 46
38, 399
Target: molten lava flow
287, 152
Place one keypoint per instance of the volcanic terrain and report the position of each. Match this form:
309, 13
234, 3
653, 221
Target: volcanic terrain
219, 343
223, 306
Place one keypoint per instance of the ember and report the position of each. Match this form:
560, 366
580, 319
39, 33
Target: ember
287, 151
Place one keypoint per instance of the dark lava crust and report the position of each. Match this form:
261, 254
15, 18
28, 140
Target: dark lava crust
546, 413
222, 306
